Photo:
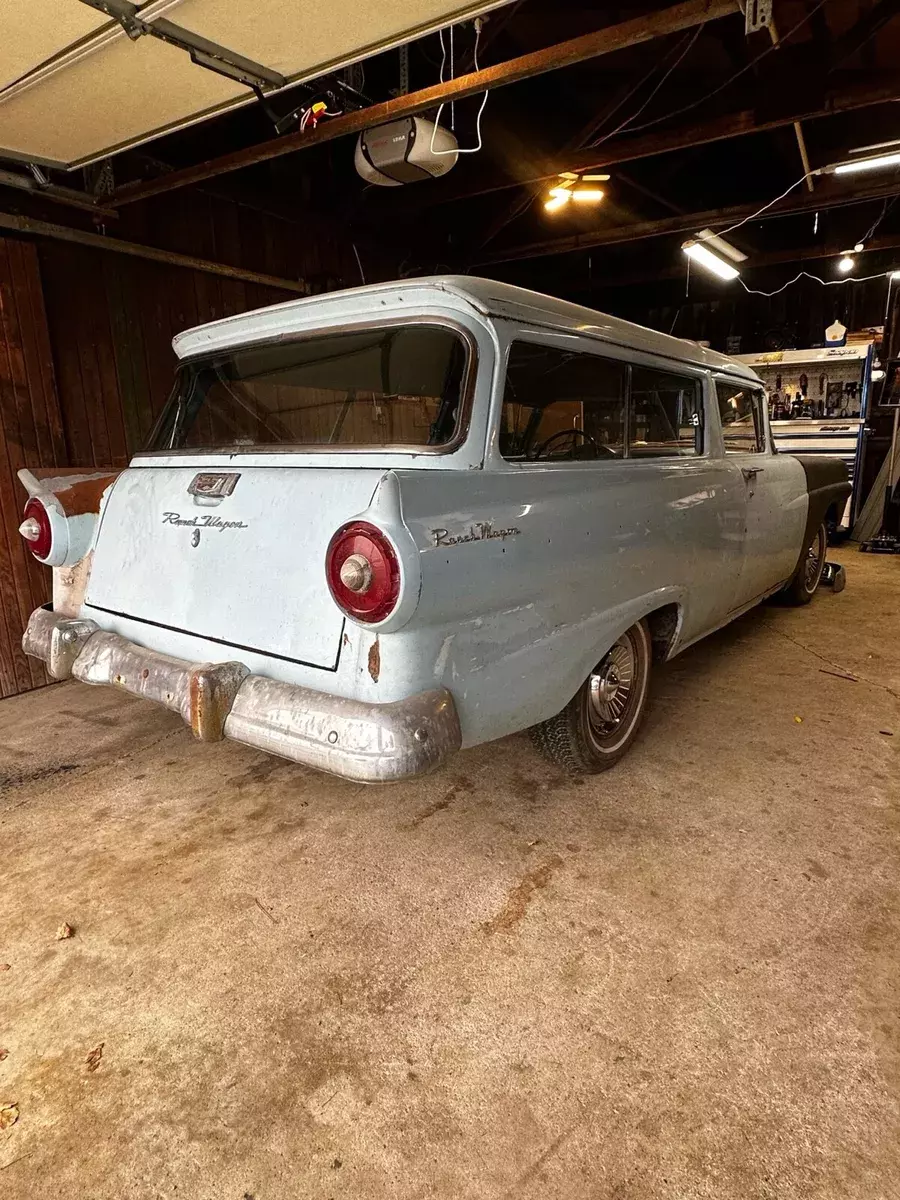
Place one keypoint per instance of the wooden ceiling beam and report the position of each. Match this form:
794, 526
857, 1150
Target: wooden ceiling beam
828, 196
882, 90
685, 15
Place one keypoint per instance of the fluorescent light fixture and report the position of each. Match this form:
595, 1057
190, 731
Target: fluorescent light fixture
867, 164
705, 257
588, 195
714, 242
846, 264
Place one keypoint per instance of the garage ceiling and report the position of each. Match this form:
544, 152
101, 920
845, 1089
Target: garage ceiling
77, 86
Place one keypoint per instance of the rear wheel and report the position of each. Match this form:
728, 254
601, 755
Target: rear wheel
600, 722
808, 575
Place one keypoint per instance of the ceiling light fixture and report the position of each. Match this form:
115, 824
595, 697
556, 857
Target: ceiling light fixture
865, 164
572, 187
559, 197
702, 255
713, 242
846, 264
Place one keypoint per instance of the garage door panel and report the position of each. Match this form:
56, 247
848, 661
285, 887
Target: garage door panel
295, 39
74, 87
33, 32
111, 97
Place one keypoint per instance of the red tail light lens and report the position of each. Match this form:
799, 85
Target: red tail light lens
363, 572
35, 529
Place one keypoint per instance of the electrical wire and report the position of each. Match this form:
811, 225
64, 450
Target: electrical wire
885, 209
765, 207
816, 279
728, 82
437, 120
632, 91
627, 122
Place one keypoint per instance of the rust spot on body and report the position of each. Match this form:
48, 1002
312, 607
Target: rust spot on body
84, 496
375, 659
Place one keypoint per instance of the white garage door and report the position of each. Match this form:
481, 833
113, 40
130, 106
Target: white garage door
76, 85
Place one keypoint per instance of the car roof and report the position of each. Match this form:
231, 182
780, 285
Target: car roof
487, 297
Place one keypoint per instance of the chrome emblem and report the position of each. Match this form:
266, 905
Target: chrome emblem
481, 531
213, 485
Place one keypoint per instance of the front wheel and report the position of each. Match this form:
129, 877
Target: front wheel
808, 575
600, 722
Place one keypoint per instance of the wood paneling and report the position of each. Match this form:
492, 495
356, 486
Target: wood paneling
86, 359
30, 436
112, 320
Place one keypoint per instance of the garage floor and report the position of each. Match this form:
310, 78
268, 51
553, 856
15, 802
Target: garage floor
677, 980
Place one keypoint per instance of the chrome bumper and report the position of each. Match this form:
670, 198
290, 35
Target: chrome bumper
372, 743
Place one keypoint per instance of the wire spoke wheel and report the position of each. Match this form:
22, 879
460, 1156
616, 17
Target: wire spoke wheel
602, 719
814, 562
610, 688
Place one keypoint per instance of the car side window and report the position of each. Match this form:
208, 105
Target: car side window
559, 405
743, 419
666, 417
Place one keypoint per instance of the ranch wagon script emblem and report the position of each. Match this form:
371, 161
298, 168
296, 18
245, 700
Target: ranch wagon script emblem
481, 531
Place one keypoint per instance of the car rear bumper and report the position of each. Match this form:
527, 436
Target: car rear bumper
372, 743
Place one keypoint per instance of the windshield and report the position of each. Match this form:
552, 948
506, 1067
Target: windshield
397, 386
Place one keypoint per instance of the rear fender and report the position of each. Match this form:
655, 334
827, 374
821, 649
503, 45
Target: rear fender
503, 683
73, 500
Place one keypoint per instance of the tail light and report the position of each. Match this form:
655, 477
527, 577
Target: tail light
35, 529
363, 572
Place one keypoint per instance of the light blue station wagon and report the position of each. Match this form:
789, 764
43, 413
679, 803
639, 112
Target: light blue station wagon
380, 525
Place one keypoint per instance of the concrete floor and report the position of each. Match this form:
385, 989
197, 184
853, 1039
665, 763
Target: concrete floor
677, 980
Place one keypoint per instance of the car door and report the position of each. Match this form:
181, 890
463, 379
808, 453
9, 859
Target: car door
773, 490
649, 511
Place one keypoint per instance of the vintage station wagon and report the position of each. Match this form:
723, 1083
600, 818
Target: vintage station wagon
376, 526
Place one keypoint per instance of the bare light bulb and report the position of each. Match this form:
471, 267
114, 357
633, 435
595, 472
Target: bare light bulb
846, 264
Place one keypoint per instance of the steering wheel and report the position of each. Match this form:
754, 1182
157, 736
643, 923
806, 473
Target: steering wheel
540, 451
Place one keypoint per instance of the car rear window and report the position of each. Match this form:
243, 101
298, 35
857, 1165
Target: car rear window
396, 386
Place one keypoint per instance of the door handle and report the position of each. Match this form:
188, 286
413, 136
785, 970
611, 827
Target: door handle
750, 473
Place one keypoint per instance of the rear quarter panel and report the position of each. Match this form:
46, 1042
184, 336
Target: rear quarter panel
529, 575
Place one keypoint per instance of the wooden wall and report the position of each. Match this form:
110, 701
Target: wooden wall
86, 359
30, 436
112, 320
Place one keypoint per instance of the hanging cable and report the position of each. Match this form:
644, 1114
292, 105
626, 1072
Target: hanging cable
437, 120
690, 40
632, 91
728, 82
760, 211
885, 209
816, 279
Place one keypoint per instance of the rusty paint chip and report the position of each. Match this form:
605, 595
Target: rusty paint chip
65, 931
375, 659
93, 1059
